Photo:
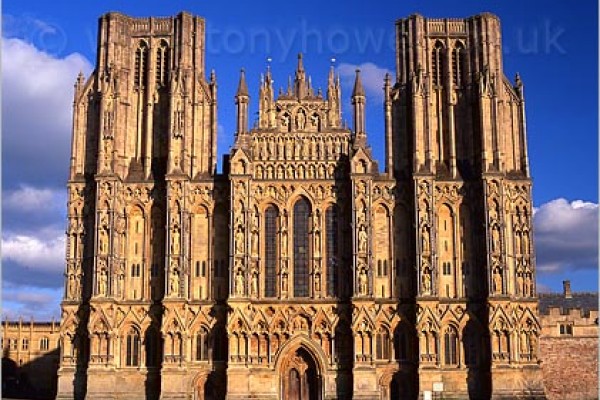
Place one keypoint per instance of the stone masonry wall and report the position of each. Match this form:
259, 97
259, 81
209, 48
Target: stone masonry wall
570, 367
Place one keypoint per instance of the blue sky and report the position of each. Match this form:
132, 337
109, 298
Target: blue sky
553, 45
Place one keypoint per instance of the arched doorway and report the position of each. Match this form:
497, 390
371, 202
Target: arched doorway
300, 378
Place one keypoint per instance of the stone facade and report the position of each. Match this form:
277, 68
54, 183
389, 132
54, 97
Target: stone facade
30, 358
302, 271
569, 345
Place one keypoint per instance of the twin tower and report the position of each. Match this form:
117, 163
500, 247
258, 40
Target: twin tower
302, 271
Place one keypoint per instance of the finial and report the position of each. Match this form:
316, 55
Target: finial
300, 63
213, 76
358, 87
518, 80
269, 59
242, 87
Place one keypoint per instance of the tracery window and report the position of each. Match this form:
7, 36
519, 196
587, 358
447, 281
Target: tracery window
162, 64
382, 344
437, 67
271, 252
141, 64
450, 346
301, 247
457, 64
202, 345
133, 348
331, 223
44, 343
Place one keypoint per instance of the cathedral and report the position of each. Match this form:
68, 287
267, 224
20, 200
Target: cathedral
305, 270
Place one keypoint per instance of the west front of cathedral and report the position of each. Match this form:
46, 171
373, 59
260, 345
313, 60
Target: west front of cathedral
302, 271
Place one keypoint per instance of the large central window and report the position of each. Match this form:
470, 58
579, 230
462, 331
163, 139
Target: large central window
271, 252
301, 243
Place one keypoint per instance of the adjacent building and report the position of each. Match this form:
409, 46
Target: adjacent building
569, 344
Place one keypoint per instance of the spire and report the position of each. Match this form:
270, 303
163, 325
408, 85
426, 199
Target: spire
358, 101
300, 86
331, 78
241, 101
80, 78
519, 86
358, 87
242, 87
300, 67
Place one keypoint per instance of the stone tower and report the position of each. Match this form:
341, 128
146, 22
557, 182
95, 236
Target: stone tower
142, 200
458, 143
301, 272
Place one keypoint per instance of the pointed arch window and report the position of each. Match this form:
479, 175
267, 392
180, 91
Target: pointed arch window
132, 358
141, 65
331, 224
202, 345
301, 247
450, 346
458, 55
437, 64
271, 215
162, 64
382, 344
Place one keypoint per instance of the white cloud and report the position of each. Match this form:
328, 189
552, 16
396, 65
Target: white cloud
566, 235
372, 77
37, 97
44, 252
28, 198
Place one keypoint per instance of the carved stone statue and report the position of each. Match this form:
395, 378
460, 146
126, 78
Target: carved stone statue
103, 245
102, 282
284, 281
520, 288
254, 284
497, 281
426, 280
363, 284
425, 239
72, 292
175, 240
301, 120
239, 240
120, 283
239, 283
174, 282
362, 239
255, 243
495, 239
